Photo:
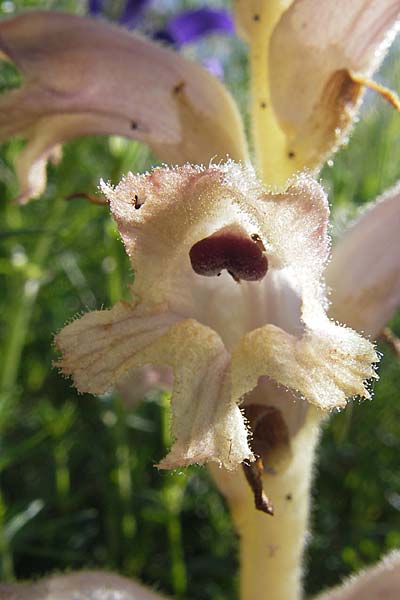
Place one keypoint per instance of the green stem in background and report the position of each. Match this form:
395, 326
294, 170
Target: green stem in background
124, 481
24, 302
25, 299
173, 492
6, 557
63, 483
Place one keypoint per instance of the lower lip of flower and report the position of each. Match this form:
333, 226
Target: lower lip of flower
230, 248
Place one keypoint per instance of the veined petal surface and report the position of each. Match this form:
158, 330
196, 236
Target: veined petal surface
325, 366
364, 273
91, 70
103, 346
315, 48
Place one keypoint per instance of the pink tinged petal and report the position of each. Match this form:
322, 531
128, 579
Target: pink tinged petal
314, 50
85, 585
379, 581
364, 274
103, 346
113, 82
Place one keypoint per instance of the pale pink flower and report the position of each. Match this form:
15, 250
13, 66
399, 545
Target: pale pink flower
264, 315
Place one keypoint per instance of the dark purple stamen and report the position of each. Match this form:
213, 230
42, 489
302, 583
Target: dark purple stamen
232, 249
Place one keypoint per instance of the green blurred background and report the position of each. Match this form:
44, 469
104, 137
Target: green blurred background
77, 483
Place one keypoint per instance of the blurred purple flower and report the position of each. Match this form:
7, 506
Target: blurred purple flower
183, 28
191, 25
95, 7
132, 12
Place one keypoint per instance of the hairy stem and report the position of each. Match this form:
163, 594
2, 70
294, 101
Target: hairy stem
273, 163
271, 547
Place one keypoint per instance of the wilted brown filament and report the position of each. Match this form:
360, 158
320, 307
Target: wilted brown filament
270, 443
253, 472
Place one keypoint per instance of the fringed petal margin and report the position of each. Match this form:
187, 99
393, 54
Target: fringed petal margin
207, 425
104, 345
324, 366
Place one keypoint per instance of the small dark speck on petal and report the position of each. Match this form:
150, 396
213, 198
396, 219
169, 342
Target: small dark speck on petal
256, 17
137, 203
263, 104
291, 154
178, 88
289, 497
134, 125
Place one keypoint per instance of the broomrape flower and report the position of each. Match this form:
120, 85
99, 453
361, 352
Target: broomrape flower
184, 227
84, 76
227, 290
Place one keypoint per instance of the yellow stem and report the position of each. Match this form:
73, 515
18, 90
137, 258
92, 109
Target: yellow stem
271, 547
258, 19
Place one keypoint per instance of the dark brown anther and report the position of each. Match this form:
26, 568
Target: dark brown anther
136, 202
256, 238
232, 274
230, 248
253, 472
134, 125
